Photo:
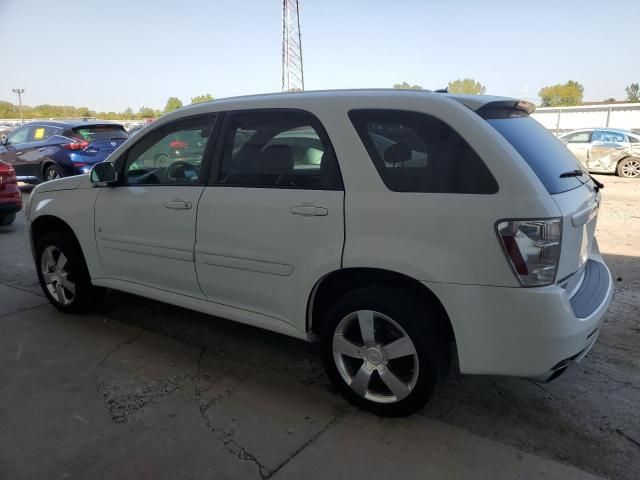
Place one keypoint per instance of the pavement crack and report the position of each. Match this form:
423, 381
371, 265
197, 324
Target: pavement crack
341, 413
118, 347
632, 440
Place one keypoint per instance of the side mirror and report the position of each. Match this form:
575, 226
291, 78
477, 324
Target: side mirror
103, 174
4, 139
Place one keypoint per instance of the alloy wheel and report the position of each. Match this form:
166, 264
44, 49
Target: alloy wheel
631, 168
375, 356
55, 274
53, 174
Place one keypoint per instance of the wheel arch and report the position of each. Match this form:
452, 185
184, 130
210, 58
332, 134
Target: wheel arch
339, 282
46, 224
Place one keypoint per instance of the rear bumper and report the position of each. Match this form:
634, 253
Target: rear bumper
528, 332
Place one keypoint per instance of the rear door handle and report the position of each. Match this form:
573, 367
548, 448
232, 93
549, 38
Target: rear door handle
178, 205
41, 149
309, 210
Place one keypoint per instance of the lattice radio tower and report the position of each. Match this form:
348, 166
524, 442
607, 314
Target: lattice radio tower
292, 73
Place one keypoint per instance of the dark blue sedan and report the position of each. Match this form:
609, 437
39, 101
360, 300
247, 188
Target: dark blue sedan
50, 149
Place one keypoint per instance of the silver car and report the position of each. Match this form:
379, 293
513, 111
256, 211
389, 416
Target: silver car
606, 150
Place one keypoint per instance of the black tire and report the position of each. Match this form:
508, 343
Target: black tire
52, 172
420, 322
629, 167
7, 219
86, 296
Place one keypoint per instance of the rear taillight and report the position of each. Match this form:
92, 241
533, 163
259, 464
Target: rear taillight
7, 175
178, 144
77, 145
533, 249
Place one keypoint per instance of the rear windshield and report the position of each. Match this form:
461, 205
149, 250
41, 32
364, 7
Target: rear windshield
547, 156
92, 133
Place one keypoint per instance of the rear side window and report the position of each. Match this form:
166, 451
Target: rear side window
278, 149
91, 133
547, 156
416, 152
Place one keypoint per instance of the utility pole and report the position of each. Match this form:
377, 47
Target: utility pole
19, 91
292, 74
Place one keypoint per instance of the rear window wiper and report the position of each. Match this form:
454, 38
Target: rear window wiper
572, 173
579, 173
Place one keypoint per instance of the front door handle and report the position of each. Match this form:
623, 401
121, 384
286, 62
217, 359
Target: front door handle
178, 205
309, 210
42, 149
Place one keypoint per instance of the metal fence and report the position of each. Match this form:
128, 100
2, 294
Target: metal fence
563, 119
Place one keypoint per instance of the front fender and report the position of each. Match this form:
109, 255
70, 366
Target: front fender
76, 209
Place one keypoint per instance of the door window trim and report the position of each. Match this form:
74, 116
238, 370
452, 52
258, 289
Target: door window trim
156, 133
315, 123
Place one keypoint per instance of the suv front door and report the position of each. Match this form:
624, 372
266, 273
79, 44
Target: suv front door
580, 143
145, 225
271, 221
16, 146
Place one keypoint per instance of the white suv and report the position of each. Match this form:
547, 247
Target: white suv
396, 227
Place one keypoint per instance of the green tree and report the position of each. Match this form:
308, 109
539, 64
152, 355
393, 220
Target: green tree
128, 113
146, 112
633, 93
562, 94
173, 103
201, 98
406, 86
610, 100
467, 86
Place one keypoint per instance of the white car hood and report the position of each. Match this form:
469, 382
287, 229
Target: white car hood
67, 183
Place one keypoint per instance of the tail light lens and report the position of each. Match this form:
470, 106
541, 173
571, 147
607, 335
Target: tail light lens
7, 174
76, 145
533, 249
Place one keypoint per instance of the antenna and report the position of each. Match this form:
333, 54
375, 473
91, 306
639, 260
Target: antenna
292, 74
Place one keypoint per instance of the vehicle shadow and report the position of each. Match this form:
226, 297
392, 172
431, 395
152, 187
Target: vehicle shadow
586, 417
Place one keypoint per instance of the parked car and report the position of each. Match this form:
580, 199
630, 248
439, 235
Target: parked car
606, 150
10, 196
46, 150
393, 226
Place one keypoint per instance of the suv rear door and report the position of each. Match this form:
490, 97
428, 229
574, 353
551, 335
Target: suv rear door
270, 223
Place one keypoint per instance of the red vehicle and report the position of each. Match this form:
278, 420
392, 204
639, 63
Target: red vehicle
10, 197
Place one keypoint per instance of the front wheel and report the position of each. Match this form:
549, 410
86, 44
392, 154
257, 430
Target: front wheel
63, 274
629, 167
383, 350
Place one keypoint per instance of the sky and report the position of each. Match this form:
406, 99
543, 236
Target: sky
110, 55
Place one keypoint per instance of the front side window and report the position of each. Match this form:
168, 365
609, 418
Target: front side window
171, 155
19, 136
578, 137
280, 149
416, 152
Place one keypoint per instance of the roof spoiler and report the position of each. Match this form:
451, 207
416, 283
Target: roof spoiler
506, 109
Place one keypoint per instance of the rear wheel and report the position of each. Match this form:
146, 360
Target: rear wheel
383, 350
629, 167
53, 172
63, 274
7, 219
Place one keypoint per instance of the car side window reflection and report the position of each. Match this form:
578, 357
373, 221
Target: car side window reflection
171, 155
19, 136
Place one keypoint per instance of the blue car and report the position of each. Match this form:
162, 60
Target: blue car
46, 150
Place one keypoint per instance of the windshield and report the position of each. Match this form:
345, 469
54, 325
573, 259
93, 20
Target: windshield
547, 156
101, 132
